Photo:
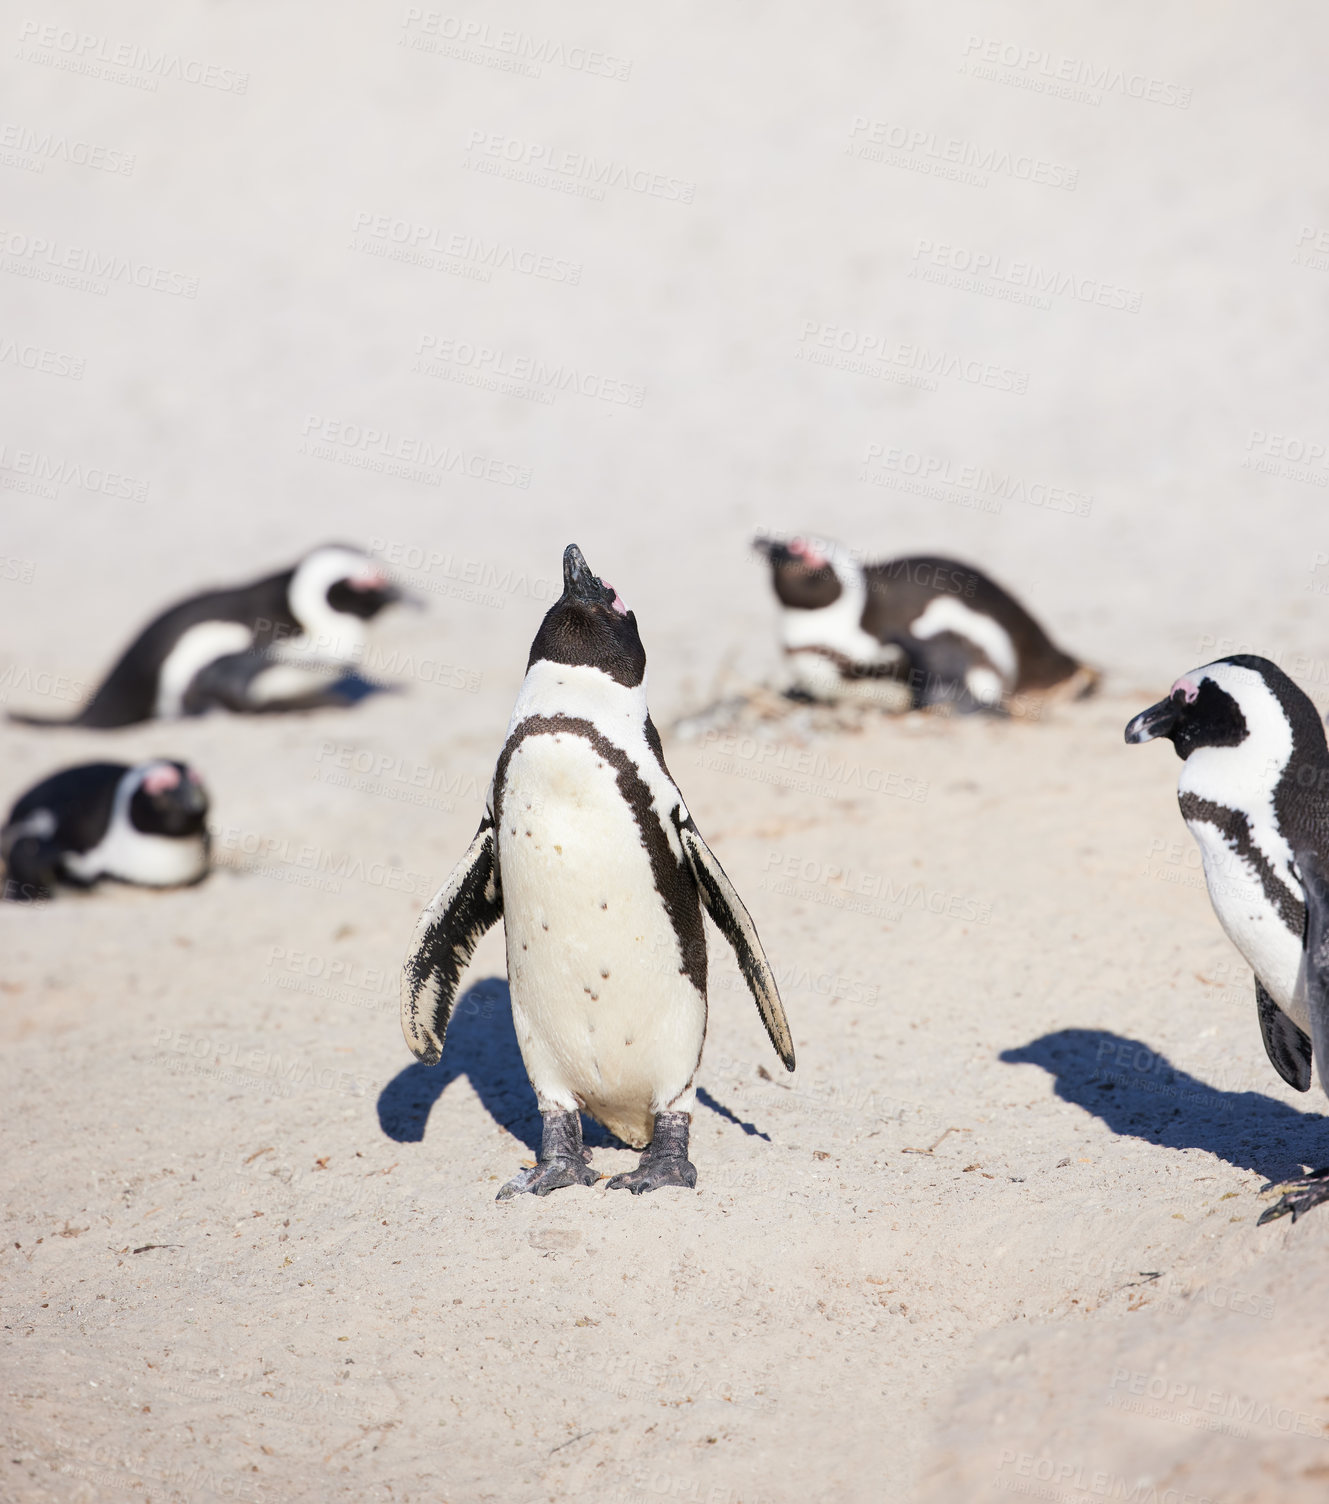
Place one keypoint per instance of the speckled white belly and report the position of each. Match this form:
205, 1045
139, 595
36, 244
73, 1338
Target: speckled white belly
605, 1019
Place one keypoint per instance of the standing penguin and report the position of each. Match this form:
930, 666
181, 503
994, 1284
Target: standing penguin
144, 824
1254, 793
277, 644
588, 854
913, 632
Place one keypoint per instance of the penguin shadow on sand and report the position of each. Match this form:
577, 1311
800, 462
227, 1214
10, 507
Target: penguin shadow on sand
482, 1046
1138, 1093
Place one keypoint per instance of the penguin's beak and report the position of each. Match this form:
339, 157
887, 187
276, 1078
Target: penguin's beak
578, 581
773, 549
408, 598
1158, 720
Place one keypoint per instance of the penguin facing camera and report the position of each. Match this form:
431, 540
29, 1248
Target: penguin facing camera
913, 632
587, 853
144, 824
289, 641
1254, 792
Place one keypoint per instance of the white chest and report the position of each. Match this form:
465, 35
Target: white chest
1248, 918
601, 1006
132, 856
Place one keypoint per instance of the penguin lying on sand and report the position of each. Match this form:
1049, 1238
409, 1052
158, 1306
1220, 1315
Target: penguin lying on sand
280, 643
1254, 793
913, 632
143, 825
588, 854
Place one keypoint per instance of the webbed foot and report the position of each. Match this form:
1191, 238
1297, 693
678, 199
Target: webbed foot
664, 1161
1310, 1190
563, 1160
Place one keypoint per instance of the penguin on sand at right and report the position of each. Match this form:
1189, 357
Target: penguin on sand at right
1254, 792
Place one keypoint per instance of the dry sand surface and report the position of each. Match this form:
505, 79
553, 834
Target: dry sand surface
251, 1251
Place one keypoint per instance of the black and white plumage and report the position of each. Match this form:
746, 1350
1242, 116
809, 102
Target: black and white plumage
279, 643
1254, 793
912, 632
144, 824
588, 854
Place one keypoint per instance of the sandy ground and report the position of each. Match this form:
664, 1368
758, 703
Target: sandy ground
273, 277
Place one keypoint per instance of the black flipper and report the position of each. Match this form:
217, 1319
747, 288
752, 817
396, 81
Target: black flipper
468, 904
735, 923
1315, 958
1288, 1048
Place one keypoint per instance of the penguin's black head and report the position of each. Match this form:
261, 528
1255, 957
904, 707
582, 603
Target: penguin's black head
1203, 708
169, 800
803, 575
589, 624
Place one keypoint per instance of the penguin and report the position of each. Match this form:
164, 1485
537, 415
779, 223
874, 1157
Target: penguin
913, 632
588, 854
280, 643
144, 825
1254, 793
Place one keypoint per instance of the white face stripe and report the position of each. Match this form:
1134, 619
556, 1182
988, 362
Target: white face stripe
134, 855
1244, 778
327, 633
195, 648
947, 615
838, 626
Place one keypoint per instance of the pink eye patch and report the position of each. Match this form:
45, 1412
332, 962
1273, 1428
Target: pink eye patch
368, 579
161, 778
617, 602
1188, 687
812, 557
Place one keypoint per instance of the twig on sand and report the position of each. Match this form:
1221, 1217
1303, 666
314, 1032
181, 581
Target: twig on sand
931, 1147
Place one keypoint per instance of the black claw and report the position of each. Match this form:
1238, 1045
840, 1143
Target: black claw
664, 1162
563, 1160
548, 1175
1308, 1191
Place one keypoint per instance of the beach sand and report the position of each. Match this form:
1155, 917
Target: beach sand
654, 284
